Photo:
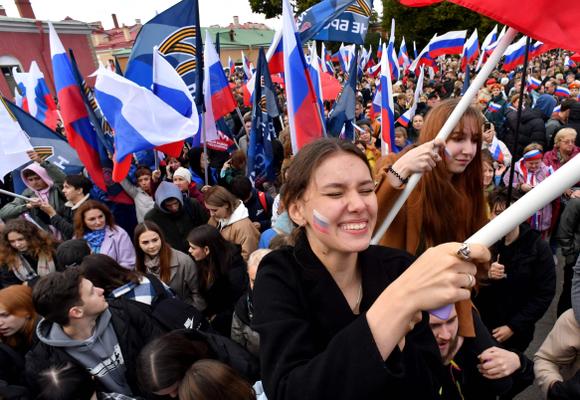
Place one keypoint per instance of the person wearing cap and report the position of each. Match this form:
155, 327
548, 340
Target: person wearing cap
182, 179
574, 89
530, 170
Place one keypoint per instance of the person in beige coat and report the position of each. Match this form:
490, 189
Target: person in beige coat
557, 362
230, 216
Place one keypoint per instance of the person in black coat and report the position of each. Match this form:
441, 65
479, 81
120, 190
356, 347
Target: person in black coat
574, 120
76, 330
521, 285
338, 319
259, 204
532, 126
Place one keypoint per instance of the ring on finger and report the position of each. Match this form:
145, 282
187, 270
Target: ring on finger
464, 252
471, 281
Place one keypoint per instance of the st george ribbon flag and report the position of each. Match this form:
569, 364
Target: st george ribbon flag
264, 110
141, 120
304, 115
176, 33
558, 29
14, 142
350, 26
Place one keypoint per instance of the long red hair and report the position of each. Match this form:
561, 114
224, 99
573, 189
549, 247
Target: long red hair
453, 206
17, 300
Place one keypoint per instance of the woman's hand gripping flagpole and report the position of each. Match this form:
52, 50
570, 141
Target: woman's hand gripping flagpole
449, 125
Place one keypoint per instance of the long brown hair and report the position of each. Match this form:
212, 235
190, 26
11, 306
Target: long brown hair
218, 196
17, 300
164, 252
453, 206
39, 242
79, 218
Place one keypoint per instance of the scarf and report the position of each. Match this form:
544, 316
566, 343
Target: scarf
95, 239
24, 271
152, 265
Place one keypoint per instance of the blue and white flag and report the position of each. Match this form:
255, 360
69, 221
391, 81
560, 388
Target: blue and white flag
13, 142
317, 17
350, 26
341, 117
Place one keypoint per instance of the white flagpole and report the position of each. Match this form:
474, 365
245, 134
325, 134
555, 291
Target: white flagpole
449, 125
18, 196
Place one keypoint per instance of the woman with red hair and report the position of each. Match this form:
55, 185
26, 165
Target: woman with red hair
17, 322
448, 204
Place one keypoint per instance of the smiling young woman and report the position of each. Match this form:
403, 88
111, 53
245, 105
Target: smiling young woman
333, 306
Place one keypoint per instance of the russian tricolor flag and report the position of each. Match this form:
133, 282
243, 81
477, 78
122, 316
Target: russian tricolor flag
568, 62
304, 116
314, 70
392, 54
538, 48
404, 119
20, 89
448, 43
493, 107
562, 91
470, 51
80, 133
246, 66
489, 39
387, 107
380, 50
222, 99
408, 115
275, 54
533, 83
514, 55
424, 58
403, 58
231, 66
40, 100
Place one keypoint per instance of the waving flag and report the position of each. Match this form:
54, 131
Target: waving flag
387, 108
231, 66
79, 131
490, 39
350, 26
13, 142
222, 98
424, 58
341, 117
314, 70
275, 54
20, 78
380, 50
448, 43
177, 35
40, 102
514, 55
568, 62
539, 20
408, 115
304, 116
533, 83
538, 48
562, 91
403, 58
335, 20
246, 66
326, 63
493, 107
392, 55
142, 121
470, 51
265, 108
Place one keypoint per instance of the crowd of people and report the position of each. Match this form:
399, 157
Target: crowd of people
220, 287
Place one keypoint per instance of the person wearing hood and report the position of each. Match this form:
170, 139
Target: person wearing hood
44, 185
230, 216
76, 190
532, 126
80, 328
175, 215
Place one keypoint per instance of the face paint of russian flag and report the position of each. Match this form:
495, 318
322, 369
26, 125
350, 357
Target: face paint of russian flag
320, 222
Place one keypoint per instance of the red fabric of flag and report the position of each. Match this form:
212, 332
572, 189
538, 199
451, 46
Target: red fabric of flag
551, 21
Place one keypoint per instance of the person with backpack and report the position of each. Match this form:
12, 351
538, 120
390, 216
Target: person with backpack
258, 203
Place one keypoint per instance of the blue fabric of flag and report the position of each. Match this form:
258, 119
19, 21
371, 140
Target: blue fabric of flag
351, 26
177, 34
315, 19
341, 117
260, 152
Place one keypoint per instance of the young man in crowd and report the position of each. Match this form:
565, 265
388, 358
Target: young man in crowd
80, 329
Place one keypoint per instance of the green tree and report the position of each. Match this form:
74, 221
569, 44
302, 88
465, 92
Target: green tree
421, 23
273, 8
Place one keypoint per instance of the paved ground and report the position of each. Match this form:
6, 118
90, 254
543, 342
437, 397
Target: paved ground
543, 327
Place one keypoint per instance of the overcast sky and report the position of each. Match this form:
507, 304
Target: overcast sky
212, 12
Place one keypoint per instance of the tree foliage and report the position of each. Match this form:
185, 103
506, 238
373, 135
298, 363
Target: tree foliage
420, 24
273, 8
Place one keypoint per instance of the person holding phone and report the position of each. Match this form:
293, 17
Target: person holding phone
496, 147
